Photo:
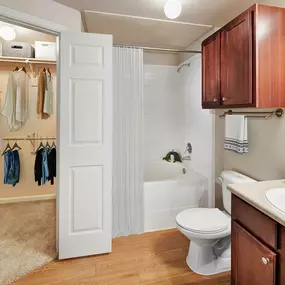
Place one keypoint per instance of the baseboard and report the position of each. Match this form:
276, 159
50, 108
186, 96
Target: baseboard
27, 198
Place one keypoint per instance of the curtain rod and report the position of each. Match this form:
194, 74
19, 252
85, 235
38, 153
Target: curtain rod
169, 50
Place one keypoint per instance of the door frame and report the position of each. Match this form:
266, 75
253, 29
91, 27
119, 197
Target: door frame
32, 22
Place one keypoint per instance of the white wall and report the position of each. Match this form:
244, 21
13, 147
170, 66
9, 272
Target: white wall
265, 159
163, 111
152, 58
47, 10
199, 123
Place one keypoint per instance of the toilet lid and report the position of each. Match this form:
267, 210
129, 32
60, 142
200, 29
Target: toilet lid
203, 220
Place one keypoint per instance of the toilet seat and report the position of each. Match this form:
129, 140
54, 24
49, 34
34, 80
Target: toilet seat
203, 220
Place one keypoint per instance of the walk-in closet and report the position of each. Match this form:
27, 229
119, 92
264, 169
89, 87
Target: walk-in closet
28, 150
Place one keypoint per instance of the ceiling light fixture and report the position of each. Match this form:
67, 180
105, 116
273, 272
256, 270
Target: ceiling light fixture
7, 33
172, 9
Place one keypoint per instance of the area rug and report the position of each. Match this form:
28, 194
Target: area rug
27, 238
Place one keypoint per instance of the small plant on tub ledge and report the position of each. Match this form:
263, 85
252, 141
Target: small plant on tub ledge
173, 156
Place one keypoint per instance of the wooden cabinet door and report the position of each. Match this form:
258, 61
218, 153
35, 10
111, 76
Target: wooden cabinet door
237, 61
211, 51
252, 262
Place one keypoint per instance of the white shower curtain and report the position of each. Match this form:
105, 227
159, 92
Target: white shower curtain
128, 198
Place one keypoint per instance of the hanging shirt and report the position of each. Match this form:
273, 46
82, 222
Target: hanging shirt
48, 98
52, 165
11, 167
16, 102
41, 95
38, 167
45, 171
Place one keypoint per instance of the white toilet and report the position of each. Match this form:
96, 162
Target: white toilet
209, 231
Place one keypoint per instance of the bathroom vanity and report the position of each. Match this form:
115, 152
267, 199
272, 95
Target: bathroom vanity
258, 235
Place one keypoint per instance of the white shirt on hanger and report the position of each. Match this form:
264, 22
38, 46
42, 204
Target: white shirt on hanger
16, 102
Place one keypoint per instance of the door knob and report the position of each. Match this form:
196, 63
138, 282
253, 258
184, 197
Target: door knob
265, 260
215, 100
224, 99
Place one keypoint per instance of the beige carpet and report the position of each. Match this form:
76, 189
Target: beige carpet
27, 238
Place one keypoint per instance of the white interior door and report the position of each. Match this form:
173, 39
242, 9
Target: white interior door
85, 145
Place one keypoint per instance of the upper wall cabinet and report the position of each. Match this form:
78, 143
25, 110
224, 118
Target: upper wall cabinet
211, 51
244, 62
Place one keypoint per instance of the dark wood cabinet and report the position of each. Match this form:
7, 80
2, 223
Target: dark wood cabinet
252, 262
244, 62
236, 61
211, 71
258, 247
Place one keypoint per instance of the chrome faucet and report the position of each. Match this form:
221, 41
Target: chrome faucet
189, 151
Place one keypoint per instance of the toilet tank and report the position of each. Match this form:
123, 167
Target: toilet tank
231, 177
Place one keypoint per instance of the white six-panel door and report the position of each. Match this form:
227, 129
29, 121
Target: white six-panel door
85, 145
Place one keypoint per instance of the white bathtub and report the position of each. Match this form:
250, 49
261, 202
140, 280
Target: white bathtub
168, 191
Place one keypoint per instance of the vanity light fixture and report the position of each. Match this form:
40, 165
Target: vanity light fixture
7, 33
172, 9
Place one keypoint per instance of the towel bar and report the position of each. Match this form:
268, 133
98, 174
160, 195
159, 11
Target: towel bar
265, 115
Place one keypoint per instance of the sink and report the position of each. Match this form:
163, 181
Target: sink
276, 196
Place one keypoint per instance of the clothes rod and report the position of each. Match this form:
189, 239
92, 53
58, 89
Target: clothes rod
265, 115
26, 60
29, 139
168, 50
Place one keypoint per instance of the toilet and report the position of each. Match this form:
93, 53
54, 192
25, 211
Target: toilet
209, 231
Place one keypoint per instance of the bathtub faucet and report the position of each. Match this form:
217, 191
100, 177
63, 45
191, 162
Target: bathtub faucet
189, 151
173, 156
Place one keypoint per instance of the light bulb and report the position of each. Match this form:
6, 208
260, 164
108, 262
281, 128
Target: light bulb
172, 9
7, 33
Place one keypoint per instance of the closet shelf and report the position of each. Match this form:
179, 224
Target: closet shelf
26, 60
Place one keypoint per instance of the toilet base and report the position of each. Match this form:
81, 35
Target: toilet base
204, 261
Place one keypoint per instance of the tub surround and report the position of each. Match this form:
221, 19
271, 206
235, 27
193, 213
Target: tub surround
254, 194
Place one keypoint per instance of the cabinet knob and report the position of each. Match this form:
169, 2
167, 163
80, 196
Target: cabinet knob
224, 99
215, 100
265, 260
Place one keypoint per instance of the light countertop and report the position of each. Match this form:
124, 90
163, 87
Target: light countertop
254, 194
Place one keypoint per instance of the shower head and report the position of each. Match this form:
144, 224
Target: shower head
180, 67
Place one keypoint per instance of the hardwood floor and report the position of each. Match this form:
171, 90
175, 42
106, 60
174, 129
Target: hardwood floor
156, 258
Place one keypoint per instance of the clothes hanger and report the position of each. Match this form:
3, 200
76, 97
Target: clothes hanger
16, 145
40, 146
6, 149
47, 144
53, 145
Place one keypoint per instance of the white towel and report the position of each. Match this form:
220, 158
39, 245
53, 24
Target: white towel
236, 134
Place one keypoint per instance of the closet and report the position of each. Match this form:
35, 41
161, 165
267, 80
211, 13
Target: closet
28, 110
28, 147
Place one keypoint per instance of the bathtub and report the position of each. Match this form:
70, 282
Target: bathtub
170, 188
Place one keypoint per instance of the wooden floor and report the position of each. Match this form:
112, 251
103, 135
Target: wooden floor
150, 259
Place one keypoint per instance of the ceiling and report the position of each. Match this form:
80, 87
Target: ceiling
129, 28
27, 35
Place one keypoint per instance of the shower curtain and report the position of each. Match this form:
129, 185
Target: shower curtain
128, 198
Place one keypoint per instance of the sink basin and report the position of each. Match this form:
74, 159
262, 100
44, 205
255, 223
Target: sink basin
276, 196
